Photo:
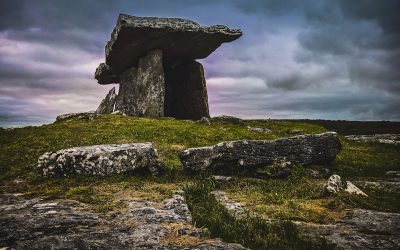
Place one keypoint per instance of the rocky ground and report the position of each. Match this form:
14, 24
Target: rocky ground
66, 224
135, 210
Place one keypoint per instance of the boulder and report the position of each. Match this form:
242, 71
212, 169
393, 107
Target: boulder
186, 91
107, 104
105, 75
179, 39
100, 160
236, 156
335, 184
229, 119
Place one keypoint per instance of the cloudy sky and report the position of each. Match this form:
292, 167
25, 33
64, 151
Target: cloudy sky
312, 59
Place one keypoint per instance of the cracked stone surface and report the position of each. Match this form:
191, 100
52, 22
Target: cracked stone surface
233, 156
65, 224
100, 160
107, 104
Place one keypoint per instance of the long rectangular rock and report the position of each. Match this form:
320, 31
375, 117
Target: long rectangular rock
100, 160
234, 156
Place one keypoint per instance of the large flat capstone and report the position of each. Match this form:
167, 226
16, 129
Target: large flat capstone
178, 38
236, 156
100, 160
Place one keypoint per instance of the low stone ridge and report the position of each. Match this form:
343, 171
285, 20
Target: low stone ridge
84, 115
65, 224
335, 184
108, 103
179, 39
100, 160
393, 139
235, 156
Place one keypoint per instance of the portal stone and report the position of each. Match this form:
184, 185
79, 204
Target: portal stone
186, 91
107, 104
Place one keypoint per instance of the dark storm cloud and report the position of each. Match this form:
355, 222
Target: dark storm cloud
297, 59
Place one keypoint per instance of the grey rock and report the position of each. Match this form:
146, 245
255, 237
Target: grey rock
142, 88
85, 116
260, 130
205, 120
108, 103
179, 39
234, 156
100, 160
236, 209
186, 91
229, 119
392, 139
296, 132
66, 224
222, 178
393, 173
359, 229
392, 184
105, 75
335, 184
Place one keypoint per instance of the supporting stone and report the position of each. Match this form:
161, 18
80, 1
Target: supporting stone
142, 88
186, 91
107, 104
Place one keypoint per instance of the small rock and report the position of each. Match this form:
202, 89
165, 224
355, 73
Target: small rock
205, 120
236, 209
261, 130
335, 184
222, 178
189, 121
296, 132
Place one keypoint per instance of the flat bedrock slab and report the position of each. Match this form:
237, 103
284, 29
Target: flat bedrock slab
233, 156
393, 139
107, 104
100, 160
65, 224
178, 38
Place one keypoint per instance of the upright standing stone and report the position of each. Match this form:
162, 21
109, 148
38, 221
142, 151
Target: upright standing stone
107, 104
186, 91
142, 89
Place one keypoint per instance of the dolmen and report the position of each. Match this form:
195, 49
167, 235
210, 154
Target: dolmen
154, 62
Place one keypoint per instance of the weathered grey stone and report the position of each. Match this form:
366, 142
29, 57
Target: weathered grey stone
227, 118
186, 91
393, 139
236, 209
359, 229
100, 160
178, 38
260, 130
142, 88
335, 184
235, 156
107, 104
205, 120
85, 115
66, 224
392, 184
105, 75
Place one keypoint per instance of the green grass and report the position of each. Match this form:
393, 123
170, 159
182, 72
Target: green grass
251, 231
296, 198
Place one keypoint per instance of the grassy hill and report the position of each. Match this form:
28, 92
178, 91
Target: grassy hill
297, 198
